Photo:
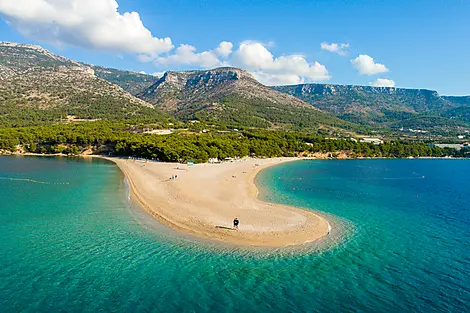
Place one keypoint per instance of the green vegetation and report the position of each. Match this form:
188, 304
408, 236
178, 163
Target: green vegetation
37, 87
461, 113
14, 115
437, 124
123, 140
49, 104
132, 82
238, 112
383, 107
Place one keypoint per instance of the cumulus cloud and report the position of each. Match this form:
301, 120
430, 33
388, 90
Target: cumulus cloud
288, 69
339, 48
92, 24
224, 49
383, 82
367, 66
158, 74
277, 79
252, 56
97, 24
186, 55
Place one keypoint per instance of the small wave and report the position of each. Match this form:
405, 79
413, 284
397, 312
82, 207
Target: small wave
33, 181
128, 189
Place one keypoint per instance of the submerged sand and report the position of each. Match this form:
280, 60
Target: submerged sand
204, 199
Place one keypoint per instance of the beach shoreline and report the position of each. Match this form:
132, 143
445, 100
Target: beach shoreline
204, 199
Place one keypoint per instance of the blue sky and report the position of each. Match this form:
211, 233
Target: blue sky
411, 44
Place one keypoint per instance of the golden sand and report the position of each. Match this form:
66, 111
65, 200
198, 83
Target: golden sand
204, 199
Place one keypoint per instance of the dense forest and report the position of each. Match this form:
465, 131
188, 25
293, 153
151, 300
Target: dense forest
121, 139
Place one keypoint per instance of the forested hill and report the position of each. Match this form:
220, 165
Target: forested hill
37, 86
462, 109
132, 82
386, 106
234, 97
50, 104
456, 100
176, 90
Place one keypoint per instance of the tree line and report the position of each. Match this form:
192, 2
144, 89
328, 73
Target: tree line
121, 139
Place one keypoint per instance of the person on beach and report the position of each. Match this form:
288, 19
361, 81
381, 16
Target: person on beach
235, 223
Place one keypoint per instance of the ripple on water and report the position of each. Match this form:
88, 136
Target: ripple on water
84, 248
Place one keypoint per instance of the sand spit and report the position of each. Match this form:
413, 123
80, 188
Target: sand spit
204, 199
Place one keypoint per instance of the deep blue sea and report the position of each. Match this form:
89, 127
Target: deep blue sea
72, 242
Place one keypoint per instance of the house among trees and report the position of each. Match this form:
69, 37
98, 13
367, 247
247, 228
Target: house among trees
375, 141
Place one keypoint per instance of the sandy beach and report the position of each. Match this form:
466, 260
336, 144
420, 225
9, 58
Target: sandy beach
204, 199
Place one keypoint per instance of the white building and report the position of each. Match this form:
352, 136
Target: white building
375, 141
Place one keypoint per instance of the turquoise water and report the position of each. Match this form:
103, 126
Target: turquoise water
75, 244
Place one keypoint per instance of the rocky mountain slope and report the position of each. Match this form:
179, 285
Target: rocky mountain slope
381, 105
462, 109
175, 90
232, 96
38, 86
132, 82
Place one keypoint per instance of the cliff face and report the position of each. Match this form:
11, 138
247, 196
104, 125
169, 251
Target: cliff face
344, 99
176, 90
32, 78
233, 96
376, 105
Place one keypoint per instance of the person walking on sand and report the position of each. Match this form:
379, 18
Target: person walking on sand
235, 223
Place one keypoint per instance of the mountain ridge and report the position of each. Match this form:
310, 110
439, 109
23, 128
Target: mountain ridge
36, 80
376, 105
39, 86
226, 79
234, 97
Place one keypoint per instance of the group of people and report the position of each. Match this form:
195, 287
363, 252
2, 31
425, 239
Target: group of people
173, 177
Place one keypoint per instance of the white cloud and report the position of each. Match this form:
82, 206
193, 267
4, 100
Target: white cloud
252, 56
143, 72
339, 48
288, 69
97, 24
186, 55
92, 24
145, 58
367, 66
383, 82
158, 74
277, 79
224, 49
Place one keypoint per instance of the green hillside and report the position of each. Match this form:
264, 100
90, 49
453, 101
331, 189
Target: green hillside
383, 106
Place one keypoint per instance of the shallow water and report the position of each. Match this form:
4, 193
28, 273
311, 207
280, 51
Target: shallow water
403, 243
